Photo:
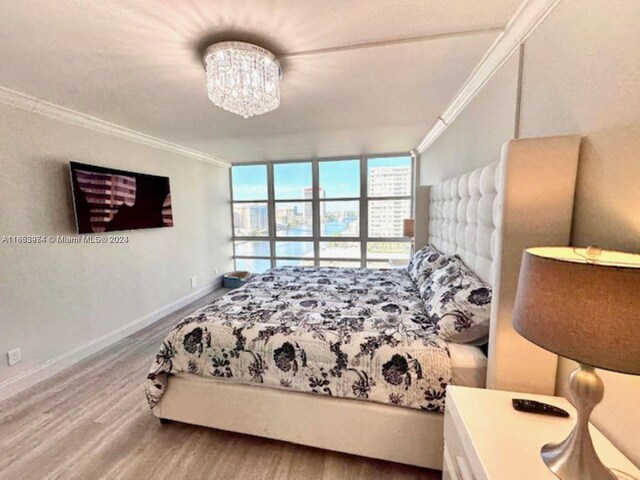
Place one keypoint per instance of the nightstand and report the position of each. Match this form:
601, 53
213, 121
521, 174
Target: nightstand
486, 439
399, 262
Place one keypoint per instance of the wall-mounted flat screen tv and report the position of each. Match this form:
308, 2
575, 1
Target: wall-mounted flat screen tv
108, 200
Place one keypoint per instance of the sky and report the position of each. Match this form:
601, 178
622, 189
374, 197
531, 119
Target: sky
339, 178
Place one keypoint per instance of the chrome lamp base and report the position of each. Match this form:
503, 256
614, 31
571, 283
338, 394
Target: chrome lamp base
575, 458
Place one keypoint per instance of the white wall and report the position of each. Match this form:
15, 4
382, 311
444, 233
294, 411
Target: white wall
580, 74
477, 134
56, 298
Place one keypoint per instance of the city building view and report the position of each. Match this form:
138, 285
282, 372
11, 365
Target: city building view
340, 208
386, 216
251, 219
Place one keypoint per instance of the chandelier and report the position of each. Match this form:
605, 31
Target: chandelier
242, 78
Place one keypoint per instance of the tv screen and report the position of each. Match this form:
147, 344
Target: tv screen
107, 200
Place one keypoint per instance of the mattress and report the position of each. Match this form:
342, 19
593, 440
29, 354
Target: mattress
348, 333
468, 365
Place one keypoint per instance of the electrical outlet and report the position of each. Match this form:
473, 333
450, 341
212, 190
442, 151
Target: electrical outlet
14, 356
194, 282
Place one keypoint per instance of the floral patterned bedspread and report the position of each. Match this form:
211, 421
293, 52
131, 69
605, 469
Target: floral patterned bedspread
350, 333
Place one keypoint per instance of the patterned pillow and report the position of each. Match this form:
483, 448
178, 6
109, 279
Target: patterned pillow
458, 303
424, 263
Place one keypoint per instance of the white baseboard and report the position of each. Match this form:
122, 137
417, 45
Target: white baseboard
27, 379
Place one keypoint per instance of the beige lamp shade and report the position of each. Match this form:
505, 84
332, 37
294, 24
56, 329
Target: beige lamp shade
408, 227
583, 304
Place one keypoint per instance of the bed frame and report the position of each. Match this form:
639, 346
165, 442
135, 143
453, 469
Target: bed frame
488, 217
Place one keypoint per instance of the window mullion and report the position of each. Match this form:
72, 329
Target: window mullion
414, 183
271, 208
233, 223
315, 208
364, 228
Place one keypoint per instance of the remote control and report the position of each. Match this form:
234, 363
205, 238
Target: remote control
532, 406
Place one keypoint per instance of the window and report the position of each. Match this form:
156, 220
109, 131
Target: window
389, 202
251, 220
386, 251
385, 217
336, 250
294, 249
339, 178
249, 248
292, 181
333, 212
340, 219
255, 265
294, 219
249, 183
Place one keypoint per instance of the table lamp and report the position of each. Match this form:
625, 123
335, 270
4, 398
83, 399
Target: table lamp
408, 227
408, 230
582, 304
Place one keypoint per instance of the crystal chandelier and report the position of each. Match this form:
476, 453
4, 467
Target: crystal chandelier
242, 78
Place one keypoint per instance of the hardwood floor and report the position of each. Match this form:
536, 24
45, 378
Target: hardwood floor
92, 422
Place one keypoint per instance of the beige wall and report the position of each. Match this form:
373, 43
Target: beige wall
580, 74
56, 298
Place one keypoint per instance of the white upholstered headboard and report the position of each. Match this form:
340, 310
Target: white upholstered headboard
488, 217
464, 218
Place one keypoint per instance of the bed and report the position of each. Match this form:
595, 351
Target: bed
340, 332
346, 359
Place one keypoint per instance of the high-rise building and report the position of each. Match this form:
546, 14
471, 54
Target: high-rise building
386, 216
259, 217
308, 209
286, 216
251, 219
390, 181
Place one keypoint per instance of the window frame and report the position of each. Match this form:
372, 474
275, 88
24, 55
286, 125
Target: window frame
316, 238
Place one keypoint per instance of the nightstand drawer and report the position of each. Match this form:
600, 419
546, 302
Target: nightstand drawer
455, 468
448, 470
455, 462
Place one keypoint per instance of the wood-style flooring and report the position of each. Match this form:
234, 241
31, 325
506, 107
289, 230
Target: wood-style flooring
92, 422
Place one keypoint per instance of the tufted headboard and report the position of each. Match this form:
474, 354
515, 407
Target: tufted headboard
488, 217
464, 217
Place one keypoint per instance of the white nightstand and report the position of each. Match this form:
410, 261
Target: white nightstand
486, 439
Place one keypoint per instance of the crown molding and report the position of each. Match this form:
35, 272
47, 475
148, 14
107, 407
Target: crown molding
526, 19
79, 119
436, 130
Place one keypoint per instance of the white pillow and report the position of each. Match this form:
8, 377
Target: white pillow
458, 303
424, 263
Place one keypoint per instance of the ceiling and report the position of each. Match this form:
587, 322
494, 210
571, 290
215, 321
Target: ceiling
137, 64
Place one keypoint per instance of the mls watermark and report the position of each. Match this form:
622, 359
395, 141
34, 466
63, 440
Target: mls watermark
63, 239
